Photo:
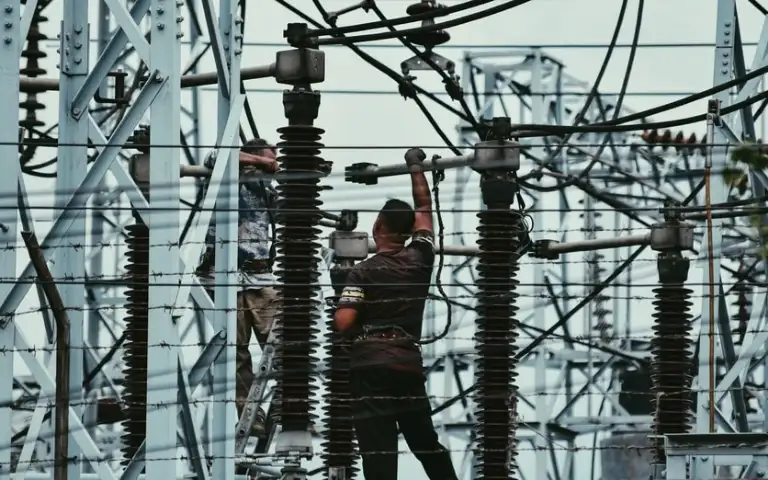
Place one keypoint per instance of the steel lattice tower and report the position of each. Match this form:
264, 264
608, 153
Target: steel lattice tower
573, 386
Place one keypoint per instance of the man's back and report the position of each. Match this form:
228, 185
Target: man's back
395, 286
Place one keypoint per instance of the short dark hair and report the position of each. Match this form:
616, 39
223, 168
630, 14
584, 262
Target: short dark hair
256, 146
398, 217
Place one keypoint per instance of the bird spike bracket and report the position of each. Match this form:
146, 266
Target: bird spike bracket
429, 40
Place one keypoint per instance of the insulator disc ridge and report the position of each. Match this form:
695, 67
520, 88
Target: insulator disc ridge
135, 345
495, 344
339, 445
671, 362
298, 248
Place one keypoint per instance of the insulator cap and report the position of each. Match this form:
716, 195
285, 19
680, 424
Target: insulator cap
359, 173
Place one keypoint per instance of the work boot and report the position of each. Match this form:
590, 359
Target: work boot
258, 429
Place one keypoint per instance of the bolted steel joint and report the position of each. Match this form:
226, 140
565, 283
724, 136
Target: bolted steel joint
349, 245
671, 236
300, 66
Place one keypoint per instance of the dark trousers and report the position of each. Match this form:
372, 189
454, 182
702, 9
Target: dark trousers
383, 401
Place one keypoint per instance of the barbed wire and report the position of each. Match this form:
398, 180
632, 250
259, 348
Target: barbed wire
207, 274
564, 296
7, 246
555, 392
600, 342
671, 145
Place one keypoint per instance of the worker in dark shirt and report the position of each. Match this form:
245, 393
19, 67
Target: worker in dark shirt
381, 310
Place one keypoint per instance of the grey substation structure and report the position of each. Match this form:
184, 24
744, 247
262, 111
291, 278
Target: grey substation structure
605, 302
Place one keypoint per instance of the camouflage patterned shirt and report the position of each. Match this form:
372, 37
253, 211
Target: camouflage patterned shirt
257, 199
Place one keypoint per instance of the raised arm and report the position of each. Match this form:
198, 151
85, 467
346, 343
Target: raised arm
422, 198
265, 163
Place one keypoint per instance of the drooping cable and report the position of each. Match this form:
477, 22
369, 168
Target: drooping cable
406, 88
393, 22
542, 130
437, 177
593, 92
451, 87
373, 37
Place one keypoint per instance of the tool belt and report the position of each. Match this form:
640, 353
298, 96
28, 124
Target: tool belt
383, 333
253, 267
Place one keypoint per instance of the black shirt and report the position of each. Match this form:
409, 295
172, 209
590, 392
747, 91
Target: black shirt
389, 291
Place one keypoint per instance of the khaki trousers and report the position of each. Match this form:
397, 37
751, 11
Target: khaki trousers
256, 311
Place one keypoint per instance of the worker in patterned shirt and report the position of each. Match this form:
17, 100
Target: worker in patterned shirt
257, 299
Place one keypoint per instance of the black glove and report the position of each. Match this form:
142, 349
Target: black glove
415, 156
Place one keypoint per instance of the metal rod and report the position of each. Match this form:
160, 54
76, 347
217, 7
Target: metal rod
45, 280
32, 85
600, 244
450, 250
429, 165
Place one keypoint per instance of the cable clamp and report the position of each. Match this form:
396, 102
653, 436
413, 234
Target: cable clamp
438, 174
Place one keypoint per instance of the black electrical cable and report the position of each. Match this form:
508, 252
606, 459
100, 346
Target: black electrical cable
593, 92
616, 108
451, 87
393, 22
759, 7
687, 100
437, 177
532, 130
373, 37
642, 115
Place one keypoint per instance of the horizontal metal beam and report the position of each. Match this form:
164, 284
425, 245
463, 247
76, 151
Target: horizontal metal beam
369, 170
450, 250
32, 85
599, 244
